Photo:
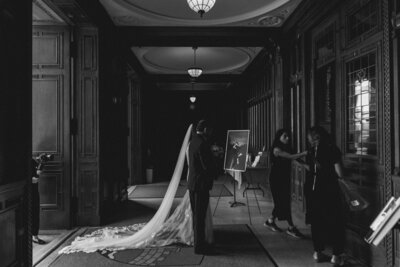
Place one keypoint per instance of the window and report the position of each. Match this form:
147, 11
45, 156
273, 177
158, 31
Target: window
361, 105
362, 20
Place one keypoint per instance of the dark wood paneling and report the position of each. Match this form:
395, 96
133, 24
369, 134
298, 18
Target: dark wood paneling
8, 240
86, 189
51, 121
89, 53
11, 225
135, 129
51, 189
88, 114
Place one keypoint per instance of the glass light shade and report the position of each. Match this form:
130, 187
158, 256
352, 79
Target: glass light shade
195, 72
192, 99
201, 6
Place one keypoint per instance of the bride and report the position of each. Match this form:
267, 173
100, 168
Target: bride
161, 230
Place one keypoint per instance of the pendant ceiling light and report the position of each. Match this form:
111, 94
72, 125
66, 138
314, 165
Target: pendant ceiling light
201, 6
192, 98
194, 71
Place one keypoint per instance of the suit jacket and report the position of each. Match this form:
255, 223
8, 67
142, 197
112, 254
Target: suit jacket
202, 169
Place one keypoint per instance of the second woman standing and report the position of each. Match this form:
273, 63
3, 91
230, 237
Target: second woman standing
281, 157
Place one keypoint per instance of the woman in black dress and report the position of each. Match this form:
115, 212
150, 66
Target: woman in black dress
281, 157
322, 192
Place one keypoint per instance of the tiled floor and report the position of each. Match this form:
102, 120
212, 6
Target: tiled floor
284, 249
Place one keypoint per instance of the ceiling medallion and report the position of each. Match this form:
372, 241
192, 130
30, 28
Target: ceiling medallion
201, 6
275, 19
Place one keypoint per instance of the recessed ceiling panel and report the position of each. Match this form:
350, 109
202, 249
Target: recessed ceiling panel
213, 60
177, 13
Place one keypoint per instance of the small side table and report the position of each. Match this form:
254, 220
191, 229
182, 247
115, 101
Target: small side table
253, 174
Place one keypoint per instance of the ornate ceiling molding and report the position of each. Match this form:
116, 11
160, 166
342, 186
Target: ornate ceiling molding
177, 12
213, 60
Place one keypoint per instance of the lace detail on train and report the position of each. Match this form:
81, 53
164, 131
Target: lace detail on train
159, 231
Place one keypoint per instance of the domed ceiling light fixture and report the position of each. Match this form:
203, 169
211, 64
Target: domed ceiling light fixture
194, 71
201, 6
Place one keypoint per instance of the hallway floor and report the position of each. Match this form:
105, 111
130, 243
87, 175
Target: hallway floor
282, 249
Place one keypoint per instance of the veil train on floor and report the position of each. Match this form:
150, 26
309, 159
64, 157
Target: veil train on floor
159, 231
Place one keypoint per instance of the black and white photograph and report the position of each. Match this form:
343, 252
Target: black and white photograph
237, 143
229, 133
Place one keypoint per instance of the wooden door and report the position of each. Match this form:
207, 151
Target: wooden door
51, 121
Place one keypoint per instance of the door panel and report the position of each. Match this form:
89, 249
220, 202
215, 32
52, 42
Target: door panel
51, 121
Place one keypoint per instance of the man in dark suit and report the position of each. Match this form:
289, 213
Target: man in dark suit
202, 171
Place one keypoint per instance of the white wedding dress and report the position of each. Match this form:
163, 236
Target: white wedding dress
159, 231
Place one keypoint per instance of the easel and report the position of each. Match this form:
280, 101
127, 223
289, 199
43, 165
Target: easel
237, 142
234, 203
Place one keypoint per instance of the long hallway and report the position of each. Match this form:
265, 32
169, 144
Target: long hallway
107, 88
279, 249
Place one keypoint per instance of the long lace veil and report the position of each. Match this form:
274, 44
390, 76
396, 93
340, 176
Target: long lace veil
142, 235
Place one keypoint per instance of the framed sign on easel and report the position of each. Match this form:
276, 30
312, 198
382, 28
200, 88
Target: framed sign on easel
237, 144
235, 161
